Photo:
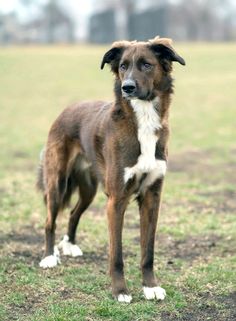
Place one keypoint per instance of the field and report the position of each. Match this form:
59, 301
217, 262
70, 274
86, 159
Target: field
196, 240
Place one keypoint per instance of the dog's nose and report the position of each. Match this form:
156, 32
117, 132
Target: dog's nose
128, 86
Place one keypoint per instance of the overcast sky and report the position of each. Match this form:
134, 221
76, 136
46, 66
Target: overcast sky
77, 5
79, 9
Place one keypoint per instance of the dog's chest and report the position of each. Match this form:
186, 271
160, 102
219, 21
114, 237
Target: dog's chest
148, 123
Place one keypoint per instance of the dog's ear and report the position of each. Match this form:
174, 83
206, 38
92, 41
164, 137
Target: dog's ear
162, 47
113, 55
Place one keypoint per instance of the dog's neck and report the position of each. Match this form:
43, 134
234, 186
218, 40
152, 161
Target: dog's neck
161, 101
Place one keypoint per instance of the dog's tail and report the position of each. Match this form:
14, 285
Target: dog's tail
40, 174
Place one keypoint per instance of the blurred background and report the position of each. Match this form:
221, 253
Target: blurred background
103, 21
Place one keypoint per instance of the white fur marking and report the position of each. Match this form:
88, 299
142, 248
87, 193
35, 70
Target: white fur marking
156, 173
131, 71
51, 260
68, 248
84, 165
154, 293
124, 298
148, 123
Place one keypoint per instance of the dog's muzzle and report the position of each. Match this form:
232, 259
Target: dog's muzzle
128, 88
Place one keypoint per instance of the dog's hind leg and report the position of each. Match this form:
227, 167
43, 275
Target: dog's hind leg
51, 255
87, 190
56, 186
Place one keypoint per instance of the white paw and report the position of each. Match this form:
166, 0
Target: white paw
154, 293
68, 248
124, 298
51, 260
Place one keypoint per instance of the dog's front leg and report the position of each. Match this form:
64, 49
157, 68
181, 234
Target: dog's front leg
149, 205
115, 212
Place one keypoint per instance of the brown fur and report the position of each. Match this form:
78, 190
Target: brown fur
93, 142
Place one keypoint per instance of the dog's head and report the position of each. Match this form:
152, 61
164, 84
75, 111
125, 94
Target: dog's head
141, 66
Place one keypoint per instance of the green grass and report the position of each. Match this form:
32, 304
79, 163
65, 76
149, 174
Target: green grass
196, 242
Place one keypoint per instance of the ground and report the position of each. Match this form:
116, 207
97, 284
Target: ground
195, 255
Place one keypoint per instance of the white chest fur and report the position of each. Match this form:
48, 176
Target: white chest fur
148, 122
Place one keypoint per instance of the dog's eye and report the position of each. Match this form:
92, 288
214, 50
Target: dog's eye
123, 67
147, 66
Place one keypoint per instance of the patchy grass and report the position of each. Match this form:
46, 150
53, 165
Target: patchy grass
196, 241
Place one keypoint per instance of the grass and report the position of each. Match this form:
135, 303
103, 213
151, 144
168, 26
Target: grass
196, 242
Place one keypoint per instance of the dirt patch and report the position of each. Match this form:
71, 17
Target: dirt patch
193, 247
189, 161
201, 163
230, 305
99, 256
27, 235
20, 154
221, 201
209, 307
26, 245
3, 191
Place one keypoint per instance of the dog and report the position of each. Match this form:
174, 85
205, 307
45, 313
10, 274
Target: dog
123, 146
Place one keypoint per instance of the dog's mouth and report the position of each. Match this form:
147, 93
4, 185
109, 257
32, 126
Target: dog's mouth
136, 95
131, 96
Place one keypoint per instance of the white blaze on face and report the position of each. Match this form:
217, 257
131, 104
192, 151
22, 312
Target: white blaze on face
148, 123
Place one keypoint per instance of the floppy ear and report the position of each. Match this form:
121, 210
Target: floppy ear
162, 47
113, 55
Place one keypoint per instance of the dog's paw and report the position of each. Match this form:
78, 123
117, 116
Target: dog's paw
124, 298
51, 260
68, 248
154, 293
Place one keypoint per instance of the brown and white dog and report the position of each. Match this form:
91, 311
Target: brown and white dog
123, 145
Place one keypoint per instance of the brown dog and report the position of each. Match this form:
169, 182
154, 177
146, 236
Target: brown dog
123, 145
